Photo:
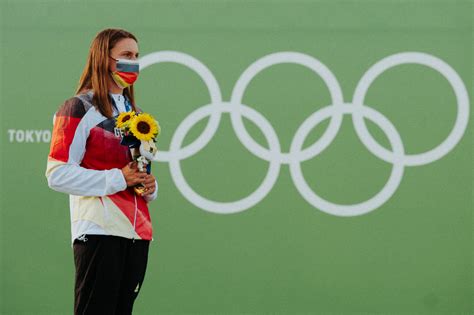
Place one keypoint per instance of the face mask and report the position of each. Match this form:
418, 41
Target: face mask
126, 72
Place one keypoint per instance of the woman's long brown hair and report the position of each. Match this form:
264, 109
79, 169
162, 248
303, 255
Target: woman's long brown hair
96, 72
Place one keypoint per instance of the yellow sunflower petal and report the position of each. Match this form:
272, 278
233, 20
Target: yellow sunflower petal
124, 118
144, 127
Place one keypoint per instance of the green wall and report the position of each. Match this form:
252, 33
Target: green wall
281, 252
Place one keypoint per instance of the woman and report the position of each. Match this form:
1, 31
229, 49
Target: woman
110, 224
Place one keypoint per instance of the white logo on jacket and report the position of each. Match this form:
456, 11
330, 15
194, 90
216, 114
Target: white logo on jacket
118, 132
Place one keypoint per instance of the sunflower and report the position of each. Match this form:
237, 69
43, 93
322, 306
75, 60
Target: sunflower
124, 119
144, 127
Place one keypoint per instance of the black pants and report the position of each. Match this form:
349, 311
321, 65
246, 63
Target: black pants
109, 273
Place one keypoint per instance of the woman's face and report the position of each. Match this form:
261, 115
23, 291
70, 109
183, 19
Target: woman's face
126, 48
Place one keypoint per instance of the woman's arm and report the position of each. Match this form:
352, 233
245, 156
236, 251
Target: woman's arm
63, 171
76, 180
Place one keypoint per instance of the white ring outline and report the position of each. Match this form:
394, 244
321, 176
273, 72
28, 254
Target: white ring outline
215, 206
355, 209
270, 60
214, 91
462, 117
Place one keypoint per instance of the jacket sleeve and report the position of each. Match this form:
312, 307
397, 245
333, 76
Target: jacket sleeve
68, 142
153, 196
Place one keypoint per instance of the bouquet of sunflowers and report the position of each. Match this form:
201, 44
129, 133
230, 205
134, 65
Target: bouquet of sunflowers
139, 132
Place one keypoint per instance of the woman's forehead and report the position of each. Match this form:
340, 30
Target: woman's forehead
126, 44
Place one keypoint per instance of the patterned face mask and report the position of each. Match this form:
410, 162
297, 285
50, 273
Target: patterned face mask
126, 72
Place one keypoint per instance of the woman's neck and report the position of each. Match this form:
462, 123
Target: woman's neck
113, 88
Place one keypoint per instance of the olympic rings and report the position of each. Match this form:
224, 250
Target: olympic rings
296, 154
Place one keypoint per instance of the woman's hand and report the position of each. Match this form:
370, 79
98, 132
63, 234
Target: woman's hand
132, 174
149, 184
